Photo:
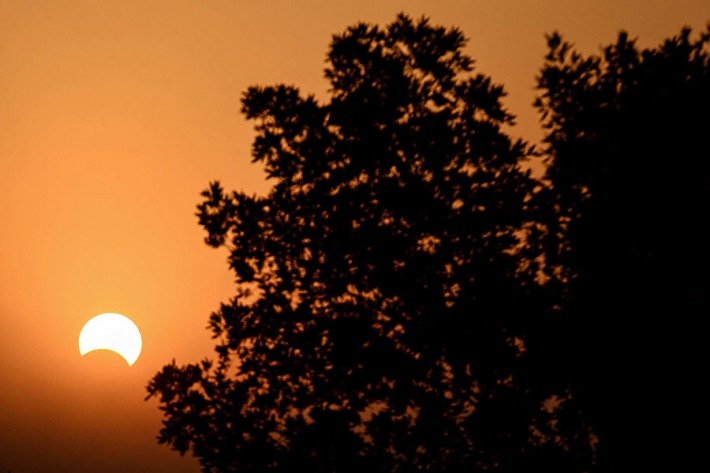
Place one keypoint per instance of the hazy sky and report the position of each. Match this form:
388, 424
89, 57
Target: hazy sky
114, 115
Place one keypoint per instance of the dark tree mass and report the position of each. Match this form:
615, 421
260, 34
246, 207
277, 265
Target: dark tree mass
627, 208
409, 298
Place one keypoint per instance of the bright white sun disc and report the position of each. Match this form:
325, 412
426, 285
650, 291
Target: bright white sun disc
113, 332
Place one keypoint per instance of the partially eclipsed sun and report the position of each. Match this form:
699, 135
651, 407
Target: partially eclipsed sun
113, 332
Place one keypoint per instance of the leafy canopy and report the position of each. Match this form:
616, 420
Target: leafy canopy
625, 211
384, 293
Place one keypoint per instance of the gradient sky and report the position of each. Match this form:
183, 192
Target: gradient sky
114, 115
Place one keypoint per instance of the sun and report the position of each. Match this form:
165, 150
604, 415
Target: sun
113, 332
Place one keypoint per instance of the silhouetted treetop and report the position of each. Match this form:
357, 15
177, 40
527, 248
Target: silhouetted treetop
408, 298
626, 210
382, 292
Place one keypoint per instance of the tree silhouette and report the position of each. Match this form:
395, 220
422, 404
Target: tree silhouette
626, 210
384, 288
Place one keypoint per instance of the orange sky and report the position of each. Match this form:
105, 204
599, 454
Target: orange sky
114, 115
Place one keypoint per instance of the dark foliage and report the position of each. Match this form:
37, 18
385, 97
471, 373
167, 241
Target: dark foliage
627, 208
409, 299
384, 289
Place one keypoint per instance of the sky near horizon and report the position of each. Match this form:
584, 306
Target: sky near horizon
114, 116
